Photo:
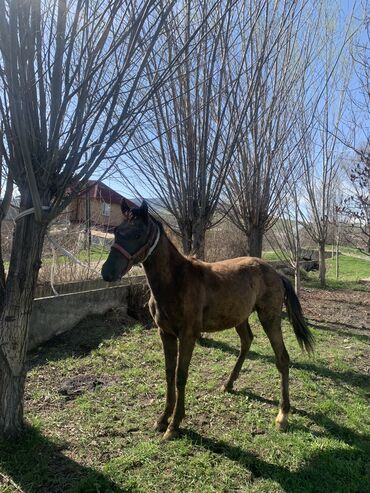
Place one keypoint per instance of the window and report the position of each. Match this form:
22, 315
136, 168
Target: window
105, 209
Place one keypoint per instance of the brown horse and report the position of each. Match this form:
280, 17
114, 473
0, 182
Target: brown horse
189, 297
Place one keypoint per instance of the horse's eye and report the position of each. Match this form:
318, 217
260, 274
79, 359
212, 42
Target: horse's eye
137, 237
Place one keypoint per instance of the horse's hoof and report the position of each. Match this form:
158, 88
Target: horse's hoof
227, 387
160, 426
170, 435
281, 421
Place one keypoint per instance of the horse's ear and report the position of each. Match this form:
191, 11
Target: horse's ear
124, 207
144, 207
144, 210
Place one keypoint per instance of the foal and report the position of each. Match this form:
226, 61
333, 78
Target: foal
189, 296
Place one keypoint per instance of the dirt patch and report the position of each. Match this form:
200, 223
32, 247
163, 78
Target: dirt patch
346, 313
349, 309
79, 384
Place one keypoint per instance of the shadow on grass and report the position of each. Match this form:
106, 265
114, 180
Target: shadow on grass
223, 346
333, 285
341, 469
331, 427
336, 469
353, 378
37, 465
345, 330
82, 339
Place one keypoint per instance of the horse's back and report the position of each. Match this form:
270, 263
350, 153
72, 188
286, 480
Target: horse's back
232, 289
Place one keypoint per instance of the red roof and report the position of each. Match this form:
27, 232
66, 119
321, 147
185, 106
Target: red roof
100, 191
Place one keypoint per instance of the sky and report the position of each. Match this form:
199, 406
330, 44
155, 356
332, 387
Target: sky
116, 182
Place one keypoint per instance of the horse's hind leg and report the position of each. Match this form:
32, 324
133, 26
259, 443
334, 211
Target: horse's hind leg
272, 327
246, 338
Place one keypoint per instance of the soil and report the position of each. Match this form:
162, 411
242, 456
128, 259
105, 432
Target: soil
79, 384
349, 309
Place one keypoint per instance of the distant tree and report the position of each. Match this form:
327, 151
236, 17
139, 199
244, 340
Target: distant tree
194, 125
356, 206
286, 233
320, 149
279, 58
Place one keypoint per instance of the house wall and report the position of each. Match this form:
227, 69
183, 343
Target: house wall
78, 212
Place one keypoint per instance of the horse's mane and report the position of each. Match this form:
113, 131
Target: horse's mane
163, 232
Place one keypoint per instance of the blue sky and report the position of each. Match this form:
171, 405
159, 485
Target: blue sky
116, 182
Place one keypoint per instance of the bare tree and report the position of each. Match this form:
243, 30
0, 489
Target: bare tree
356, 206
71, 93
285, 235
281, 53
196, 120
320, 149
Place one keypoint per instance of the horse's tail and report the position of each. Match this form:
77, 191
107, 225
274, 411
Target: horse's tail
302, 332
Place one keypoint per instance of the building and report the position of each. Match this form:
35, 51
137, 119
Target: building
99, 206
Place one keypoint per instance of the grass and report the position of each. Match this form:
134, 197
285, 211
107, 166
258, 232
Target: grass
272, 256
351, 271
350, 251
93, 396
97, 253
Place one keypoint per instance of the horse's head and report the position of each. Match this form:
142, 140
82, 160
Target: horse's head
134, 239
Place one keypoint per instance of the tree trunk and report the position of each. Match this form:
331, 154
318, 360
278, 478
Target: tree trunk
297, 280
11, 397
185, 228
297, 272
322, 267
186, 244
255, 240
2, 272
199, 237
24, 266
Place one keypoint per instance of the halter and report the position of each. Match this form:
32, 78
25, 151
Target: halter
145, 251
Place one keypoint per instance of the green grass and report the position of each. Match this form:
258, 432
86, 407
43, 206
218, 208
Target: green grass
349, 250
99, 438
351, 271
97, 253
271, 256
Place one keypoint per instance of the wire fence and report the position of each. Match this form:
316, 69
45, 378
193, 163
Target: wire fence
73, 254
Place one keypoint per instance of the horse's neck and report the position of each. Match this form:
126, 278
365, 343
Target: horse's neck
162, 263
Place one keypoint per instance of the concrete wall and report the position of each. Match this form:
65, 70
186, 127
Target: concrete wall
44, 290
54, 315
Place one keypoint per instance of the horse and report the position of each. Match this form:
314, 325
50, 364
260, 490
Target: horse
189, 297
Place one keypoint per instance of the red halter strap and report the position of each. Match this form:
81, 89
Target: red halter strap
142, 252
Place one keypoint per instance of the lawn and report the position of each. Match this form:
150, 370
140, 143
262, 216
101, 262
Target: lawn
351, 271
93, 395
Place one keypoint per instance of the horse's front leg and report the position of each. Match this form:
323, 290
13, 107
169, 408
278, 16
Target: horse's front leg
170, 354
186, 346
